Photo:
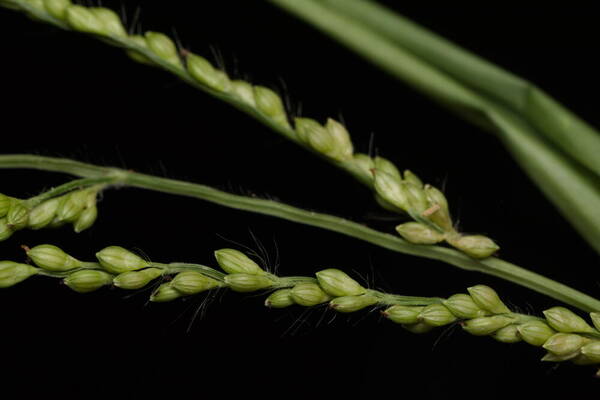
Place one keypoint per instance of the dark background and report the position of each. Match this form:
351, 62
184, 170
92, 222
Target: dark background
64, 94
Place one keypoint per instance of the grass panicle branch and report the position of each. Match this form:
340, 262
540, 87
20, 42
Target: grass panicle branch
490, 265
564, 335
400, 192
74, 203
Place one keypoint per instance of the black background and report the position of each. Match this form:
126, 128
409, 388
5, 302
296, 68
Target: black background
64, 94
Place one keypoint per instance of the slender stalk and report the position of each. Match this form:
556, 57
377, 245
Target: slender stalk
67, 187
391, 299
176, 267
491, 265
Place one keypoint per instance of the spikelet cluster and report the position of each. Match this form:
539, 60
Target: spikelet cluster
480, 312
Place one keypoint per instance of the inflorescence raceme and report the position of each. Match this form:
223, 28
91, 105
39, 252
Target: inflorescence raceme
78, 207
480, 312
395, 191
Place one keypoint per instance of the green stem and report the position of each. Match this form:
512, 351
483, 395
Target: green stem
173, 268
491, 266
395, 299
67, 187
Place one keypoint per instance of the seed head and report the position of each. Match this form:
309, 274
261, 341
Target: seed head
161, 45
203, 71
88, 280
83, 19
484, 326
269, 103
562, 344
440, 214
564, 320
403, 314
41, 215
309, 294
244, 91
136, 279
280, 299
192, 282
117, 260
508, 334
86, 219
343, 148
248, 282
391, 189
18, 215
385, 165
72, 205
476, 246
12, 273
328, 141
436, 315
592, 351
487, 299
463, 306
348, 304
536, 333
111, 22
435, 196
417, 199
57, 8
90, 212
235, 262
412, 178
165, 293
418, 233
337, 283
52, 258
